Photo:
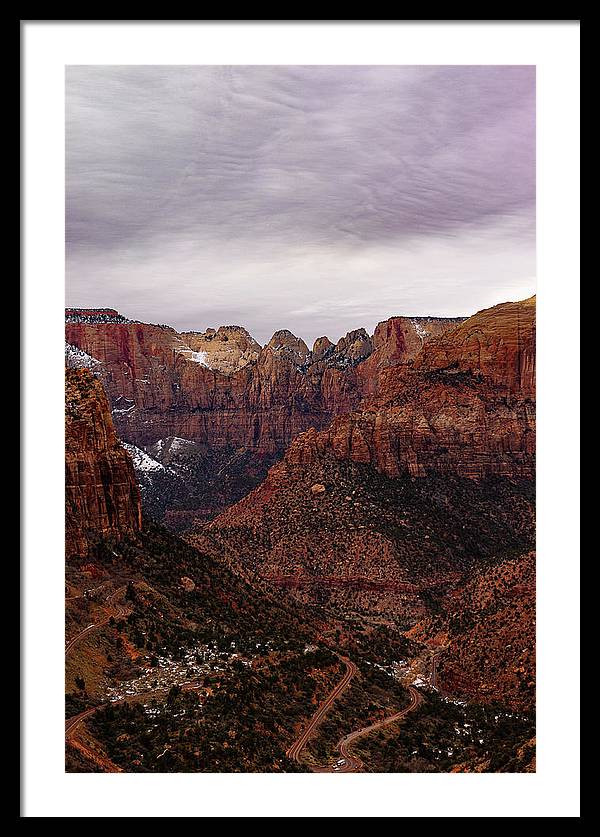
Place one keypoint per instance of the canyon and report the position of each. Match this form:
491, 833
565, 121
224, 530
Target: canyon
389, 508
220, 388
238, 404
381, 478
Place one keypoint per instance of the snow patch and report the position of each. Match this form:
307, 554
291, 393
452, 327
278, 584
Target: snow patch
200, 357
78, 359
141, 461
421, 332
177, 443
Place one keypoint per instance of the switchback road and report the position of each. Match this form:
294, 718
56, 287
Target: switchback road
352, 764
347, 762
298, 745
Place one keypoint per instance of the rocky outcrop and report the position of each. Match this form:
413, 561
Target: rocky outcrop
464, 405
102, 495
288, 346
355, 346
322, 348
436, 429
218, 389
497, 344
395, 343
226, 349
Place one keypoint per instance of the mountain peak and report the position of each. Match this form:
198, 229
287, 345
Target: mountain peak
285, 343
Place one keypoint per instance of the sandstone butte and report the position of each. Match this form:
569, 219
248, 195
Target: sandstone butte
220, 388
102, 495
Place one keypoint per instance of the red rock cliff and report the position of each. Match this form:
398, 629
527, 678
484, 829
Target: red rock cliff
226, 392
102, 496
465, 405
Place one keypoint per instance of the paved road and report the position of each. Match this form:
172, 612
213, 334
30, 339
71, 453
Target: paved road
295, 750
117, 610
352, 764
73, 723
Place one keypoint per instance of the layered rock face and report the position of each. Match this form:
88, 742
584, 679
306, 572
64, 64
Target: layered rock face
464, 405
448, 419
497, 344
102, 495
396, 342
225, 349
220, 389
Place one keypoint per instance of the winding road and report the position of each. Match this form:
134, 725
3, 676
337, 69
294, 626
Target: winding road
353, 764
347, 763
72, 724
117, 610
295, 750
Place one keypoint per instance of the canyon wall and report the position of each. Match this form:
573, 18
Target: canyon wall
221, 389
330, 524
465, 405
102, 495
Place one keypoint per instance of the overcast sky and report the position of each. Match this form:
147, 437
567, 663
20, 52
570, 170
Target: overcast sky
318, 199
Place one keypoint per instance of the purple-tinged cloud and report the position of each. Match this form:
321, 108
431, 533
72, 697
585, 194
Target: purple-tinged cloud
312, 198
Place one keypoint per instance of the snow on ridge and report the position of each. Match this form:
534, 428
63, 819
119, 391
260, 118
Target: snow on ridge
78, 359
200, 357
421, 332
189, 354
141, 460
176, 443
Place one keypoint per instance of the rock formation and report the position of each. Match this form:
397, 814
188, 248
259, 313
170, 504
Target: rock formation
102, 495
464, 405
497, 344
240, 404
220, 389
422, 396
226, 349
461, 410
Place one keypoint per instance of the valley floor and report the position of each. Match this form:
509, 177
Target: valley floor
157, 682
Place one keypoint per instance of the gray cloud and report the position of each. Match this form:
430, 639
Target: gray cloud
299, 197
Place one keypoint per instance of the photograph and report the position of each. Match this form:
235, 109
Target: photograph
300, 418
